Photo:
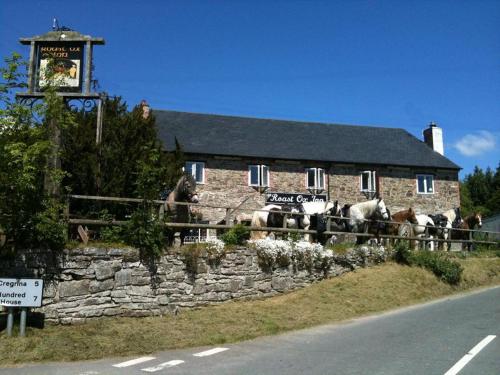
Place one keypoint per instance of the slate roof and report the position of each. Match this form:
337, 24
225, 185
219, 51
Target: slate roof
280, 139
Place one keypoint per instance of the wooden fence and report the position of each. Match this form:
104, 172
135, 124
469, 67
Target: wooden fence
229, 223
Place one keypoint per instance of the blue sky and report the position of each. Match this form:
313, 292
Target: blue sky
377, 63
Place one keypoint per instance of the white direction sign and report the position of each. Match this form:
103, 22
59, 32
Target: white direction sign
21, 292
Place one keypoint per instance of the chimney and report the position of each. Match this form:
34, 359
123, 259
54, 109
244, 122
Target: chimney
433, 137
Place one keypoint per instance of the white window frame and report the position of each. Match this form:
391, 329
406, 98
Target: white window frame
195, 165
319, 179
262, 169
372, 182
426, 188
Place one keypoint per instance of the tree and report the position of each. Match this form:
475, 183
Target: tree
480, 191
28, 216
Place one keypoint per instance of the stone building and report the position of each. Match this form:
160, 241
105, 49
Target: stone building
236, 159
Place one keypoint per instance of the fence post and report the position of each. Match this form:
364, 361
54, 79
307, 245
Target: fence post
426, 238
10, 320
228, 216
471, 238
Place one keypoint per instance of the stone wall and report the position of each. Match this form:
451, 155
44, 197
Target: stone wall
227, 185
86, 283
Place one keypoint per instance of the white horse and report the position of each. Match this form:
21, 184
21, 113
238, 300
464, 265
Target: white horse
360, 212
419, 229
260, 219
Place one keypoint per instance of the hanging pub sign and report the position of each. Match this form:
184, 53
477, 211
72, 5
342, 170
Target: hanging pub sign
60, 64
293, 198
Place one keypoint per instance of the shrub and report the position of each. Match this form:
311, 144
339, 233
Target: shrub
402, 253
237, 235
446, 269
145, 231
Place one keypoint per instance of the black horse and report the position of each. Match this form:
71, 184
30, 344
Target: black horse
185, 191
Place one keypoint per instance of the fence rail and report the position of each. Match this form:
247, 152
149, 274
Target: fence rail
232, 210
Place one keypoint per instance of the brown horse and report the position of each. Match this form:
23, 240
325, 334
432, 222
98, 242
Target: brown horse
185, 191
469, 222
399, 225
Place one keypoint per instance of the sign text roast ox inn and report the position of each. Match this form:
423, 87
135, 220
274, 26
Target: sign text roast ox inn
293, 198
21, 292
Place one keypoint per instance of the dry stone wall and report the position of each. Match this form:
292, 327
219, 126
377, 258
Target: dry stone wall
87, 283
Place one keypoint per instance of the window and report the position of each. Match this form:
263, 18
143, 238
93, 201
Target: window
425, 184
315, 178
197, 170
258, 175
368, 181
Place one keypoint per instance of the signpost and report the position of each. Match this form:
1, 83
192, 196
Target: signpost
21, 293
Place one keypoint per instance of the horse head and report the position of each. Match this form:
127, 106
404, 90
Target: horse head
473, 220
382, 209
186, 189
412, 217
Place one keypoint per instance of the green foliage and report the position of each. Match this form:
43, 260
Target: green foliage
438, 263
402, 253
191, 255
480, 191
27, 215
146, 231
50, 228
237, 235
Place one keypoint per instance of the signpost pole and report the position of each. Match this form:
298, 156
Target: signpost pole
22, 324
10, 320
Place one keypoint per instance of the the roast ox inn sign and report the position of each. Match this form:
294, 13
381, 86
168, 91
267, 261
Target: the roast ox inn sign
21, 292
293, 198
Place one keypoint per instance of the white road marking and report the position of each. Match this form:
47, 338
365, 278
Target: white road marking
162, 366
134, 362
210, 352
468, 357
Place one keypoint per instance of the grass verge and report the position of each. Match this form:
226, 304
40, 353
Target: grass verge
355, 294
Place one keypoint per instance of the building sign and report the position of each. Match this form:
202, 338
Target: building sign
292, 198
21, 292
62, 64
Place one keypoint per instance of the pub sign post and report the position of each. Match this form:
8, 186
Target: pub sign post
68, 54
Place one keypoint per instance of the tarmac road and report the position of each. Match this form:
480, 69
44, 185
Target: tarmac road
457, 335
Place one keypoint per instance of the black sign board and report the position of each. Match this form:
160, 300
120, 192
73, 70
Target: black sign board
293, 198
65, 60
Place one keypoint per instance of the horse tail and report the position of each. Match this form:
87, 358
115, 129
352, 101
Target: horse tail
259, 221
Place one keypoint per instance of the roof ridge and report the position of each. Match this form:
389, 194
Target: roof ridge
278, 120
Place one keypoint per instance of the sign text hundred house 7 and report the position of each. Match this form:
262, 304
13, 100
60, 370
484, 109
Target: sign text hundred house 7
21, 292
293, 198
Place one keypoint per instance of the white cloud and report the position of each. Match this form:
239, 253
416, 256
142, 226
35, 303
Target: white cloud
476, 144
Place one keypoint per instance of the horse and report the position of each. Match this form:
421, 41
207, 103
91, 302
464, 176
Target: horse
454, 220
272, 216
469, 222
314, 219
419, 230
361, 212
399, 224
184, 191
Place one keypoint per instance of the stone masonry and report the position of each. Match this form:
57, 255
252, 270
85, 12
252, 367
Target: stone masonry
87, 283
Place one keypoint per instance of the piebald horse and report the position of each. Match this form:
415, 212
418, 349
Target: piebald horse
454, 221
314, 218
185, 191
272, 216
360, 212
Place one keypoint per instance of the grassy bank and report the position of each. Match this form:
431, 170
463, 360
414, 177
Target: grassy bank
358, 293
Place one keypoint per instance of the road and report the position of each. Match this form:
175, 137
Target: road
457, 335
